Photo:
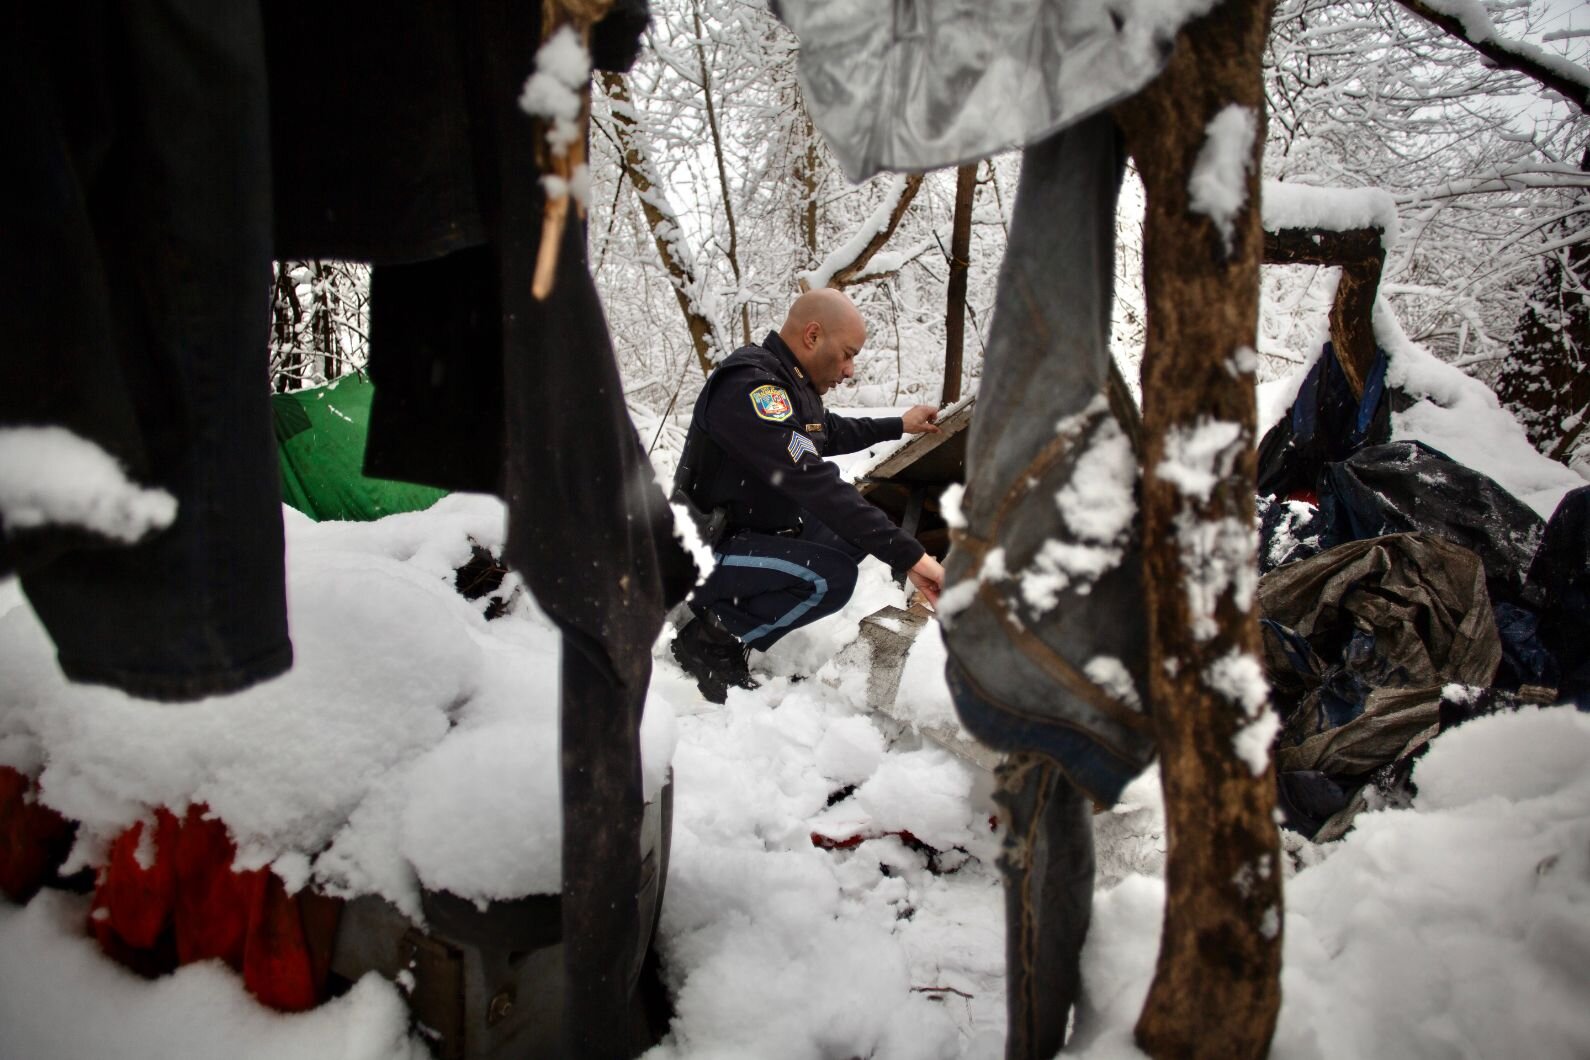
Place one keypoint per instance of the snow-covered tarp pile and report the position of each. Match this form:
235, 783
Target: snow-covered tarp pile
1451, 412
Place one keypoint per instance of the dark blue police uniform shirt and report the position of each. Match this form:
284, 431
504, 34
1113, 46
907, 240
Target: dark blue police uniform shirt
769, 422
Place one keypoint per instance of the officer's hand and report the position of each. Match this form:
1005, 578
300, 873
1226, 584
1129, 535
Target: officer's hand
919, 419
928, 575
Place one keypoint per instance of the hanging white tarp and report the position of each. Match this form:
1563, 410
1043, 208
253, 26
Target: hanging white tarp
919, 84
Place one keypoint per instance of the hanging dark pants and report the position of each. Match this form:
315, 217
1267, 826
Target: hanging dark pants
766, 585
1048, 867
1055, 685
479, 386
134, 269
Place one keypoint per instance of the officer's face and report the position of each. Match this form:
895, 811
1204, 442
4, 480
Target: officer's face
834, 359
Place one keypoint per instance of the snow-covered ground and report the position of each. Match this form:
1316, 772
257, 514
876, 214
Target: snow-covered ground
413, 735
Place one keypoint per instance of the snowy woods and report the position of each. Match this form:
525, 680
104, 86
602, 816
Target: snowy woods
1149, 689
713, 197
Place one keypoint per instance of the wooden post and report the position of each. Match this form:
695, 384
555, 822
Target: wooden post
1361, 257
1216, 990
955, 307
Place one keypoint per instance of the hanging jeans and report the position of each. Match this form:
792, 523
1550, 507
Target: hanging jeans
1047, 656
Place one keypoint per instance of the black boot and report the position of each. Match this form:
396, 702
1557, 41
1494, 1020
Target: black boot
714, 657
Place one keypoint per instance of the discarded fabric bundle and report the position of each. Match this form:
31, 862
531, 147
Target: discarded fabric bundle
1327, 422
1359, 643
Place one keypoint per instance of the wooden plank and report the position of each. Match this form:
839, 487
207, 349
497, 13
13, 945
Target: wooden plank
918, 447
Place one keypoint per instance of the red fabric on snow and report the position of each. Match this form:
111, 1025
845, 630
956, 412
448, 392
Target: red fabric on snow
189, 905
210, 917
34, 839
132, 901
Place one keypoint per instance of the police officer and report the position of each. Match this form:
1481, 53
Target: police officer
788, 532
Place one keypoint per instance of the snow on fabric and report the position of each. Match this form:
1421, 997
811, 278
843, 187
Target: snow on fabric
554, 90
409, 739
1218, 185
51, 477
1461, 417
1097, 506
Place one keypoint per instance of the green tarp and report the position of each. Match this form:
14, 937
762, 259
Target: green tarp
320, 436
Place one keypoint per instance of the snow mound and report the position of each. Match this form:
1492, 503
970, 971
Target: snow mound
1455, 928
63, 998
1534, 754
413, 743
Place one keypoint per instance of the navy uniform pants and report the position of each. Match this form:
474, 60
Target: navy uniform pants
768, 584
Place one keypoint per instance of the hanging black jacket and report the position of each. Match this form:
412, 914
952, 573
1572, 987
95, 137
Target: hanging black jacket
756, 446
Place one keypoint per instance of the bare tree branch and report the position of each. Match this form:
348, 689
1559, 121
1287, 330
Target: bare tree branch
1361, 257
723, 172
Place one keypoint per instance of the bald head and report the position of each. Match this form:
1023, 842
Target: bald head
825, 332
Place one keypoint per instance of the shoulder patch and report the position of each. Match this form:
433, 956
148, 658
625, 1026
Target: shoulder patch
800, 444
772, 403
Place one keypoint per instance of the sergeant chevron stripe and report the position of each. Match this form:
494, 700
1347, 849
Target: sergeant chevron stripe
798, 444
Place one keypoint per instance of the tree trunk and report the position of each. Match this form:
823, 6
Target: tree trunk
1216, 989
286, 318
1361, 256
955, 309
810, 180
661, 219
323, 326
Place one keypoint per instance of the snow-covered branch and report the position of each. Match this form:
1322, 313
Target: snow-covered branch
1468, 21
663, 221
848, 263
1511, 178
